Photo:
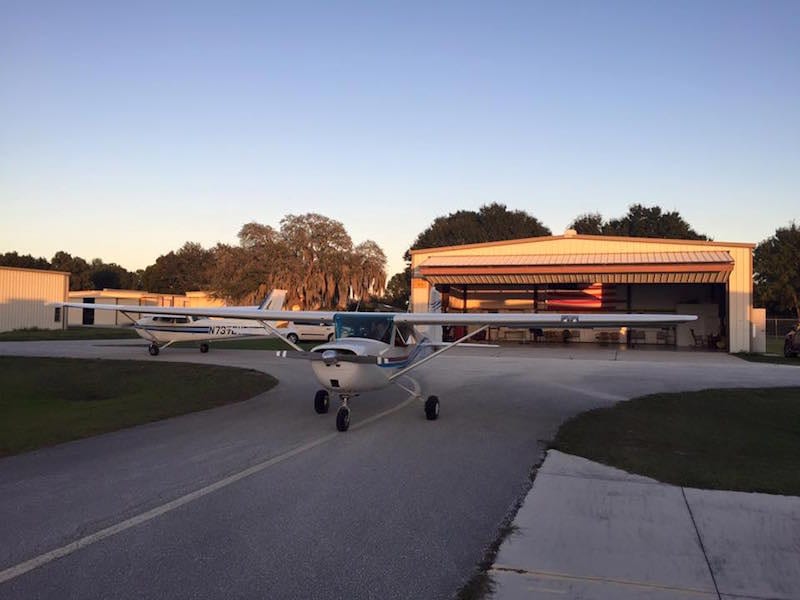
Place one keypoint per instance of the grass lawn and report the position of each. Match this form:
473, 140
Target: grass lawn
45, 401
71, 333
108, 333
775, 344
774, 354
739, 439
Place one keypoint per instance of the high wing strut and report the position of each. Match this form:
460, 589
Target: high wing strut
438, 352
280, 335
146, 334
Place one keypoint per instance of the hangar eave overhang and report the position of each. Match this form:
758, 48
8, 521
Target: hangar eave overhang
625, 268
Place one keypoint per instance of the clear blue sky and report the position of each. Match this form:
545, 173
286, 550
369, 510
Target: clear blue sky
129, 128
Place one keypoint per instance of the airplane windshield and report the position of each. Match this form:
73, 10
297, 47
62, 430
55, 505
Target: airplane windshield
363, 325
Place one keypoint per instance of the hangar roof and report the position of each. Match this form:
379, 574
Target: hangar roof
581, 236
708, 266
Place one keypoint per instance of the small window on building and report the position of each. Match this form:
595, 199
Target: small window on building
57, 315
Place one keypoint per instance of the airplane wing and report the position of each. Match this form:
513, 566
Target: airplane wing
231, 312
567, 320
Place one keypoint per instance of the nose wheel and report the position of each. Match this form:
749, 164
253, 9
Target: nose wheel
343, 418
322, 402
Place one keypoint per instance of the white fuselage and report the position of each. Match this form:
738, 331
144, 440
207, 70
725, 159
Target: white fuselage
351, 378
169, 329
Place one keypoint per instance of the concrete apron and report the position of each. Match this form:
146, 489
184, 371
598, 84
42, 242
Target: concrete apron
591, 531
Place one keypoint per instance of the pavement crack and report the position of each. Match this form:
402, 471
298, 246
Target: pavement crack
700, 541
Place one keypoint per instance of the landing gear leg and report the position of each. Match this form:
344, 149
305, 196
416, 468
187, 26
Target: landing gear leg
153, 349
343, 416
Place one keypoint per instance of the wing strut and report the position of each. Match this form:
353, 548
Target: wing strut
274, 330
437, 353
141, 330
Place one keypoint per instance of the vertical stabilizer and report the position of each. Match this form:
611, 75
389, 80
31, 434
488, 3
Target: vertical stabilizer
274, 300
434, 332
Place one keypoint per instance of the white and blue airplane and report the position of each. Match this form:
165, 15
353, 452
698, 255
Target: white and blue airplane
371, 351
163, 330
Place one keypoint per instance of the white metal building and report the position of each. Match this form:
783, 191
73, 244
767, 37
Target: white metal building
108, 318
584, 273
23, 294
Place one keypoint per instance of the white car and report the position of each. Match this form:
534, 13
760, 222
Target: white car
307, 332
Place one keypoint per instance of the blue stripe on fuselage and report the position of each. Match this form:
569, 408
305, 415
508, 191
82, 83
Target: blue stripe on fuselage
400, 362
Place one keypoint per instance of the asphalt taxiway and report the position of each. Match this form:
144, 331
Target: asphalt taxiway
265, 499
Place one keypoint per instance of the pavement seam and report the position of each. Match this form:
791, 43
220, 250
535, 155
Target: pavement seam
15, 571
700, 541
607, 479
600, 579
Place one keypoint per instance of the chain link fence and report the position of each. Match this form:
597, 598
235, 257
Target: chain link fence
778, 327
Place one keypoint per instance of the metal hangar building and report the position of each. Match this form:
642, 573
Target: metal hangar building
587, 273
24, 294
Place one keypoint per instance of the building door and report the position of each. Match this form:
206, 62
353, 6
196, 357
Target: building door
88, 313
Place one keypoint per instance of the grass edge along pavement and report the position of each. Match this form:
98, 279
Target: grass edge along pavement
71, 333
127, 332
47, 401
744, 439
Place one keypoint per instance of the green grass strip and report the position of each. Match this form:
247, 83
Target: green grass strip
737, 439
45, 401
71, 333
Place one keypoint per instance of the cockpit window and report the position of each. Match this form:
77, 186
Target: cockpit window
172, 320
363, 325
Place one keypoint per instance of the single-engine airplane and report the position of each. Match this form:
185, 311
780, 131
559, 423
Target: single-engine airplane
373, 350
163, 330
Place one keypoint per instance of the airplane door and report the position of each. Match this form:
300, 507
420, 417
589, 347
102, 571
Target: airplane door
88, 313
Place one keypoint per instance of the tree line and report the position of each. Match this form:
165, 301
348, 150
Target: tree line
311, 256
314, 258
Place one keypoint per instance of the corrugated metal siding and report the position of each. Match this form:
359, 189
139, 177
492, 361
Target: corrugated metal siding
622, 258
740, 299
548, 278
23, 293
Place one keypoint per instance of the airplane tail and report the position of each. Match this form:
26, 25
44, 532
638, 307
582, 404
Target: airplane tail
434, 332
274, 300
434, 300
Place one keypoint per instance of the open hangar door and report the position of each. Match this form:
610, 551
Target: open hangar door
707, 301
583, 273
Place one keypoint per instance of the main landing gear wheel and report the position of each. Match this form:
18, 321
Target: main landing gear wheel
322, 401
153, 350
343, 419
292, 337
203, 348
432, 408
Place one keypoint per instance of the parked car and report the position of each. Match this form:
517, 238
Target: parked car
791, 342
307, 332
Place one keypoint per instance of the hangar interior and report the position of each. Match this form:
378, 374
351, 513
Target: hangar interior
581, 273
705, 300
